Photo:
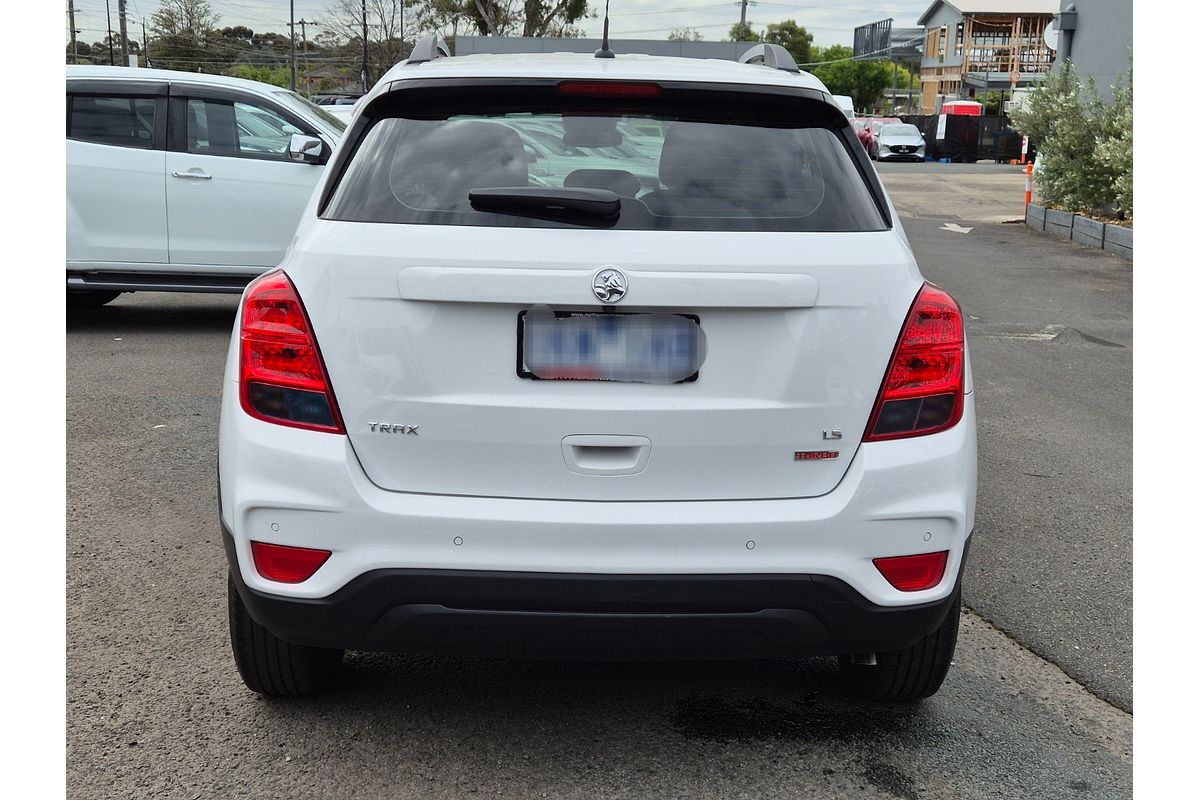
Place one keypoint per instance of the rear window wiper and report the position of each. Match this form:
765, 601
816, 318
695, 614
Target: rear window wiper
526, 199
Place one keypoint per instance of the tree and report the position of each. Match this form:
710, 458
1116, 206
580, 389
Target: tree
684, 35
902, 74
1085, 147
440, 15
391, 29
180, 34
97, 52
278, 76
864, 81
743, 33
791, 37
1114, 145
191, 17
531, 17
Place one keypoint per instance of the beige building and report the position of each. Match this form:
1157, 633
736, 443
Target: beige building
976, 46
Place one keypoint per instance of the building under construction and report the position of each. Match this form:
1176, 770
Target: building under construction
976, 46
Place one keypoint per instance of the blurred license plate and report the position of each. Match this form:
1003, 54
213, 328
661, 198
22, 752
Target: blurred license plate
606, 346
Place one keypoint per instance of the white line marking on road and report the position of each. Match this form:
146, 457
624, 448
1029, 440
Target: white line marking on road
955, 228
1046, 334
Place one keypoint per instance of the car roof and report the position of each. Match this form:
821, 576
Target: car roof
104, 72
626, 66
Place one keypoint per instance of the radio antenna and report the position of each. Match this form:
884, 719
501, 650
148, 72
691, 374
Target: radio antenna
604, 51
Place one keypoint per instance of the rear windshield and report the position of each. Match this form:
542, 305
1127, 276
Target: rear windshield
671, 171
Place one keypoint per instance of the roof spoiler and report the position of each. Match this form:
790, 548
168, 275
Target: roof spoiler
428, 48
770, 55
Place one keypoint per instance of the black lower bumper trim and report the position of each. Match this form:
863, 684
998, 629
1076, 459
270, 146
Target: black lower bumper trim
156, 282
583, 615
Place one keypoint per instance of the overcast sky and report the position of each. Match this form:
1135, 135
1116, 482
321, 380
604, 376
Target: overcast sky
827, 20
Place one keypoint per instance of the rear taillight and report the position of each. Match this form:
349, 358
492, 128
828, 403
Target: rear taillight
914, 573
284, 564
283, 379
923, 390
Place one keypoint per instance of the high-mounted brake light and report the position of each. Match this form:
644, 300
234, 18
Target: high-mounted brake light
283, 379
922, 392
279, 562
914, 573
609, 89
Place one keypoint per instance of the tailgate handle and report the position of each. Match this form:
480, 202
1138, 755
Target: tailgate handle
598, 454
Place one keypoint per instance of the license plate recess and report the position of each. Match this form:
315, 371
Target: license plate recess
627, 347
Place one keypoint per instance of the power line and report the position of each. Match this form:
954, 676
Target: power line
813, 7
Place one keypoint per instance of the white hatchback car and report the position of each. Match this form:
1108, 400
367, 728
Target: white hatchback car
178, 181
898, 141
719, 417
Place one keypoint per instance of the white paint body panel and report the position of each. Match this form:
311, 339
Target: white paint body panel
311, 486
780, 369
244, 214
116, 204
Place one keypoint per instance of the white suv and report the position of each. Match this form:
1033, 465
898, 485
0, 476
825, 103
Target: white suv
718, 417
179, 181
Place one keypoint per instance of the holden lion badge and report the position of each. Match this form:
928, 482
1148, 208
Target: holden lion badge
610, 285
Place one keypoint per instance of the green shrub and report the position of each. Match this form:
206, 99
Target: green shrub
1085, 145
1114, 146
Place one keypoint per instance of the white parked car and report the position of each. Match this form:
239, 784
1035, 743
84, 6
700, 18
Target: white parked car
846, 103
180, 181
343, 111
723, 417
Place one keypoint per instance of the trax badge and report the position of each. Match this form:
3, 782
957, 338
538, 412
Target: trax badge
394, 427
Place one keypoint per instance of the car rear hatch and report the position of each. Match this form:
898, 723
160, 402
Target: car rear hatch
767, 341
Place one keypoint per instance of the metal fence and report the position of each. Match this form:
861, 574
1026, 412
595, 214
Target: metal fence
969, 139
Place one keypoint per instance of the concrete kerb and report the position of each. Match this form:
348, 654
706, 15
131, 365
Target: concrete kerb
1081, 229
1035, 217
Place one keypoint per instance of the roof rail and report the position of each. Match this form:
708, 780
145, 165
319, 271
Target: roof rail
428, 48
770, 55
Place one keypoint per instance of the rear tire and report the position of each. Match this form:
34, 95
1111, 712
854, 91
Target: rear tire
911, 674
90, 299
275, 668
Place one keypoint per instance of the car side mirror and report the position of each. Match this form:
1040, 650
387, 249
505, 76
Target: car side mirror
305, 149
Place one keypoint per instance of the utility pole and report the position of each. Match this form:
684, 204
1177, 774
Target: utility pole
304, 38
292, 31
145, 43
364, 66
124, 34
108, 16
71, 20
742, 24
895, 79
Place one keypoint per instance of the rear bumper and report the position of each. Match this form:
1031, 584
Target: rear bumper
582, 615
306, 489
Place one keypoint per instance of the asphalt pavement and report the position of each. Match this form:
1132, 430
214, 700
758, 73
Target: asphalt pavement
1049, 325
155, 707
